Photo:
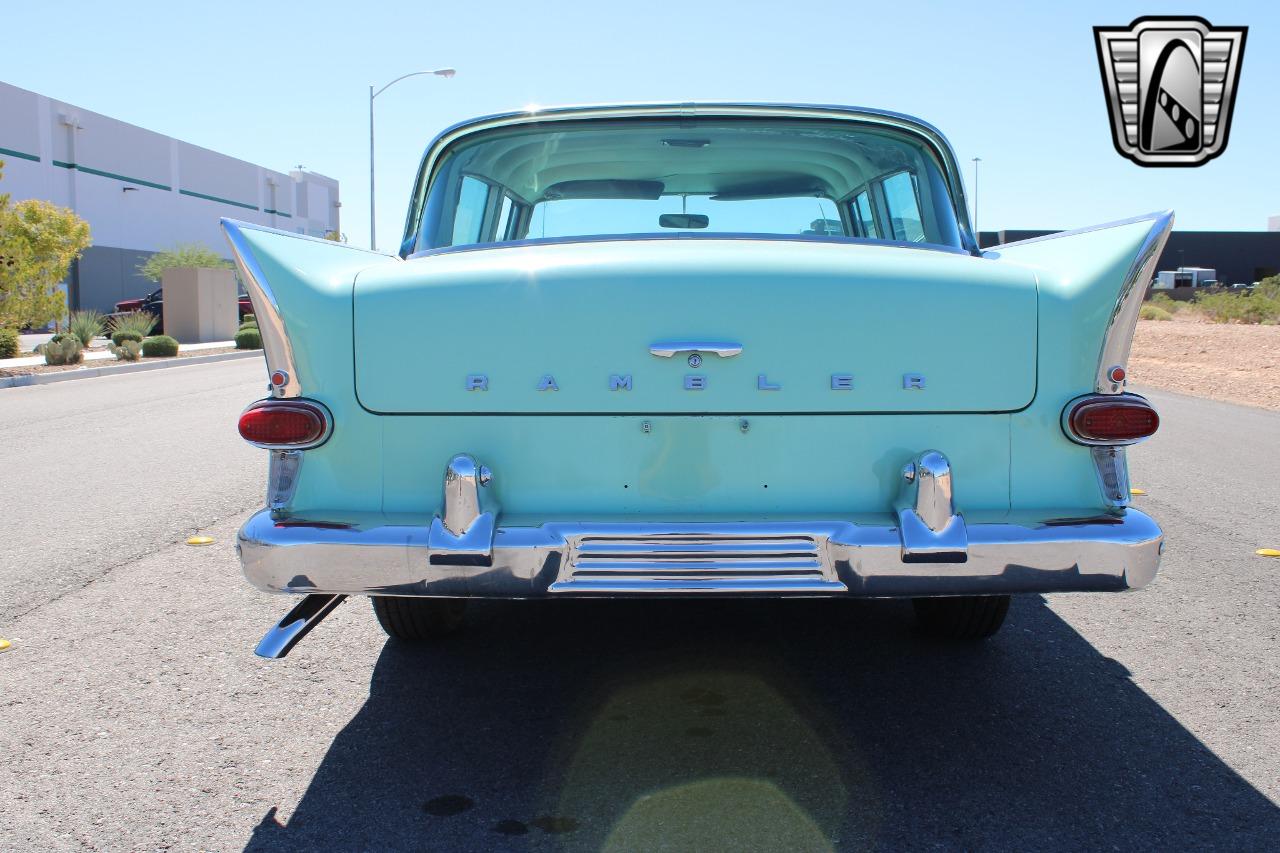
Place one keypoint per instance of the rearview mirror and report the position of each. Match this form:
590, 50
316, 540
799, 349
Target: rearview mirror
684, 220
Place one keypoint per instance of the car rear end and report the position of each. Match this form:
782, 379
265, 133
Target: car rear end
869, 407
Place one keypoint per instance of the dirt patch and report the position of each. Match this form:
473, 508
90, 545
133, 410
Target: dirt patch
103, 362
1235, 363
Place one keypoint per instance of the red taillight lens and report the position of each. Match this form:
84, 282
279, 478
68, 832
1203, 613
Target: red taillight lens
284, 424
1113, 420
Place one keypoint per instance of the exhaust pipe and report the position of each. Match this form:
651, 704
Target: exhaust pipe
296, 624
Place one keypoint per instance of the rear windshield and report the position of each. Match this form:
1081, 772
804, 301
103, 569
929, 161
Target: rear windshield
836, 180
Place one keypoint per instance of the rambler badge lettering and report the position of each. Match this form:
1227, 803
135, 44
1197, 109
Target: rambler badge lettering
693, 382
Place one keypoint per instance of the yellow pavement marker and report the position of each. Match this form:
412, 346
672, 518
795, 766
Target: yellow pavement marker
1267, 552
1137, 491
4, 644
200, 540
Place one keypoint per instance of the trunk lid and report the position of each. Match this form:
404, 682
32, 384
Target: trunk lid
567, 329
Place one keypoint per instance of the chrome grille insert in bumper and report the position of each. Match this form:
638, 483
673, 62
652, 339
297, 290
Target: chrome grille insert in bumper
690, 562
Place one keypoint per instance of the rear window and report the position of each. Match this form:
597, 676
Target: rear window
566, 180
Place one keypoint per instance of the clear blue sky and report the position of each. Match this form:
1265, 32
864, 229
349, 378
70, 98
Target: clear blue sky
1017, 84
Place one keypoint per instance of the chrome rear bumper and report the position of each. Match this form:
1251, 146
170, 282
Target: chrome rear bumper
868, 556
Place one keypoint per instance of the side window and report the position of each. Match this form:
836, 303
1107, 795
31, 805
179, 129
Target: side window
468, 219
903, 201
864, 223
502, 229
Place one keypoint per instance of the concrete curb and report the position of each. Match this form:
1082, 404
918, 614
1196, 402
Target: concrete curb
114, 369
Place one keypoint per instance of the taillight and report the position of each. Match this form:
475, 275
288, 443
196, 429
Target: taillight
285, 424
1109, 419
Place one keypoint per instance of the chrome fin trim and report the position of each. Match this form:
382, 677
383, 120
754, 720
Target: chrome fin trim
1118, 339
276, 348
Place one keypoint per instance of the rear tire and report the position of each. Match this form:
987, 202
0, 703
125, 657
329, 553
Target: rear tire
966, 617
416, 620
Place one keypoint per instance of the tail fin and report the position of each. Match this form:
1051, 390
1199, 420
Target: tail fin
1092, 283
299, 282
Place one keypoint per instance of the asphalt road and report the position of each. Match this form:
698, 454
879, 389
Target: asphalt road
133, 715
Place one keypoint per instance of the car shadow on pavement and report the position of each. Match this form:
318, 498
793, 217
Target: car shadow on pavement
761, 725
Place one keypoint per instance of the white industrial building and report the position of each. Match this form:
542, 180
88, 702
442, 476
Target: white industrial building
141, 191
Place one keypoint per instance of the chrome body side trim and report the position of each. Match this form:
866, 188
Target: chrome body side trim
1118, 339
667, 349
376, 554
1153, 216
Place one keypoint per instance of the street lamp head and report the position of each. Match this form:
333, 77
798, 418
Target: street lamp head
444, 72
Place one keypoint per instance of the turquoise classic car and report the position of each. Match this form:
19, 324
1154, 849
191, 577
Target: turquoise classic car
688, 350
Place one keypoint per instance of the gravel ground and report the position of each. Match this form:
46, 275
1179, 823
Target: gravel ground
1221, 361
134, 716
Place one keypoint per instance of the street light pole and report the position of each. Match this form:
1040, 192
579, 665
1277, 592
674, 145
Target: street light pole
976, 161
373, 217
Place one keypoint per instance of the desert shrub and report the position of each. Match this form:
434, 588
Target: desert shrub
1154, 312
249, 320
182, 255
128, 350
119, 338
1162, 300
9, 345
139, 322
248, 339
63, 349
1239, 308
86, 325
1268, 287
159, 346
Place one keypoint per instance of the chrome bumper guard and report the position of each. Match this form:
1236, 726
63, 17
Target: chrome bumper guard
925, 548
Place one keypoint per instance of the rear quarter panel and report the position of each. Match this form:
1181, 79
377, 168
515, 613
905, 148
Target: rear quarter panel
1079, 277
